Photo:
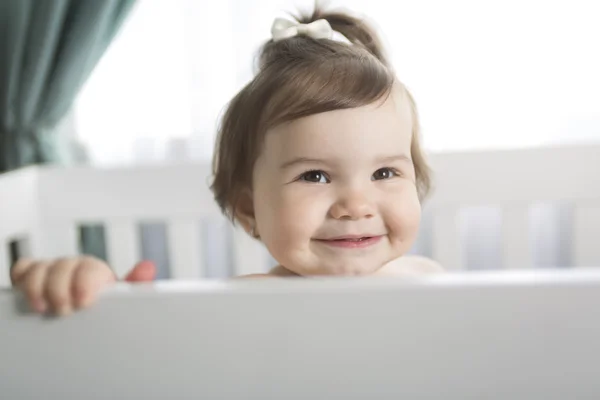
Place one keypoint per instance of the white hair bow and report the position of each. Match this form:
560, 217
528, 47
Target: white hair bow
284, 29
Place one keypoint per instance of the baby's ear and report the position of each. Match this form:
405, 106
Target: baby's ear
244, 212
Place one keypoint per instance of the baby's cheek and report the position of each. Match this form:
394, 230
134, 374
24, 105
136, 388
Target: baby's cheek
402, 217
291, 223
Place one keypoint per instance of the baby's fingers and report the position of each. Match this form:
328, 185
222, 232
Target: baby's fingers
19, 270
144, 271
90, 277
58, 285
33, 283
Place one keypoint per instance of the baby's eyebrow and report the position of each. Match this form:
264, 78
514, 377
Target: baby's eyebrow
397, 157
308, 160
301, 160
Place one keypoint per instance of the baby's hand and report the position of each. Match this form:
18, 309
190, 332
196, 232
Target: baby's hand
66, 284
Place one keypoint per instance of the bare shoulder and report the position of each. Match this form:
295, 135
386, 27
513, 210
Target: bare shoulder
252, 276
412, 265
277, 272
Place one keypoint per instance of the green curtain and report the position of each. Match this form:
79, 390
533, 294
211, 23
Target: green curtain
48, 48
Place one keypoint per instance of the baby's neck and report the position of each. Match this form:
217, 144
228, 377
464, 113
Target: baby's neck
283, 272
408, 265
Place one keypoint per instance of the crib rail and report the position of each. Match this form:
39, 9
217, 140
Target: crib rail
47, 205
119, 199
516, 335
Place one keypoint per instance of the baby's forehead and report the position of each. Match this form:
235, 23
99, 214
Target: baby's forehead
387, 121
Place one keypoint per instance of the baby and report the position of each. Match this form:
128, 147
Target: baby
318, 157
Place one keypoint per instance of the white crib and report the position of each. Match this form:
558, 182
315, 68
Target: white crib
526, 333
41, 209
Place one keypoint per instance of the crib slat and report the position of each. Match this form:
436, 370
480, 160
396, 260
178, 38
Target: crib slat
60, 240
447, 246
516, 238
4, 264
185, 250
122, 244
585, 236
250, 256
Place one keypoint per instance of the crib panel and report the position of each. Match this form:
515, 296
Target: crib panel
122, 242
4, 266
447, 245
18, 213
567, 174
149, 192
586, 235
516, 237
185, 249
18, 202
60, 239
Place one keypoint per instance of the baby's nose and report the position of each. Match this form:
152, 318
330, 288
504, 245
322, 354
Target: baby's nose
354, 205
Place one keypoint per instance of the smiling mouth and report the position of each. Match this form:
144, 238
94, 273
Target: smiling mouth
351, 242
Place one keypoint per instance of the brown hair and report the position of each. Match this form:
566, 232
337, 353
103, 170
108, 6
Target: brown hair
298, 77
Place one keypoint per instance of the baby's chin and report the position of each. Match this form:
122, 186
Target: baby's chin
336, 270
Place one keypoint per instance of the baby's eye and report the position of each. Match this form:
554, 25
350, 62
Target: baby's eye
315, 177
383, 173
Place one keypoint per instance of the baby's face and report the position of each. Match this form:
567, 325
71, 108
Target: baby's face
335, 194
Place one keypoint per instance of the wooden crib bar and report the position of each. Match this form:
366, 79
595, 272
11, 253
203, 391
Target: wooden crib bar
587, 235
447, 248
18, 212
185, 249
4, 266
186, 252
516, 240
60, 240
122, 245
184, 244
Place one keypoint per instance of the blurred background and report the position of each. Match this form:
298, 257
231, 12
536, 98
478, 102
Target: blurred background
485, 75
139, 82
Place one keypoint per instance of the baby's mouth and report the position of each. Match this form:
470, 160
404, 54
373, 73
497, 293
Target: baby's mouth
351, 241
360, 239
350, 238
